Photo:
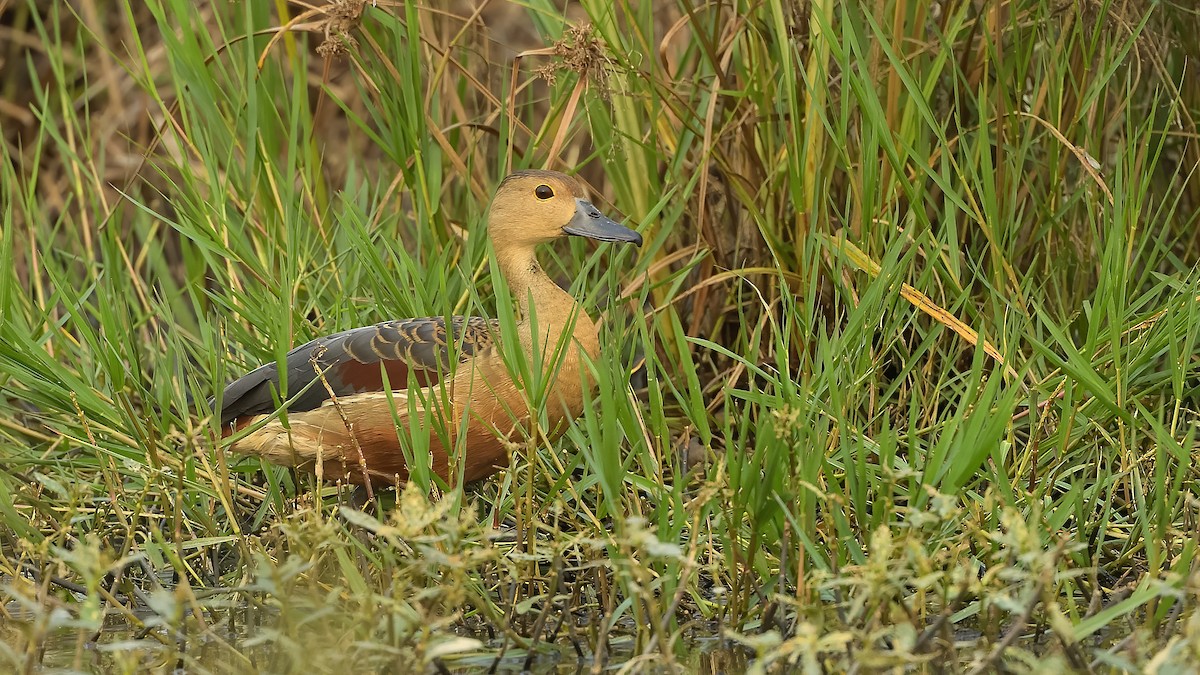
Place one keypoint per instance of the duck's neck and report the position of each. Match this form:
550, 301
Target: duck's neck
553, 307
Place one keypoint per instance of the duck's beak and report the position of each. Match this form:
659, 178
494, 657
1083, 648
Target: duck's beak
589, 222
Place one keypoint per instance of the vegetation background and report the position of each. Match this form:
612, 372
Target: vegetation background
906, 376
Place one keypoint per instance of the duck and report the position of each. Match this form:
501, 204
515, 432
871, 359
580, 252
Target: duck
350, 396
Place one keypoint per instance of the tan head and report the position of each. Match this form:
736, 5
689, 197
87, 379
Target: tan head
534, 207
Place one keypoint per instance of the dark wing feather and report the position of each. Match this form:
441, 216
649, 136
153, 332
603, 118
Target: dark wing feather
351, 362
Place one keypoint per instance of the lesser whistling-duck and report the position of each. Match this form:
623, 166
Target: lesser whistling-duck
344, 425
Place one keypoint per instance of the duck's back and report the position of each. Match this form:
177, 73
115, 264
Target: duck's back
353, 362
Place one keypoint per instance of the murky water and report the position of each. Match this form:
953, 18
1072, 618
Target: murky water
29, 644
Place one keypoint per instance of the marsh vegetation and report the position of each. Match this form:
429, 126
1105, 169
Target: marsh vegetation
906, 376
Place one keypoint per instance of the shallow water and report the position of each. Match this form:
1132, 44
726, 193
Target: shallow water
247, 646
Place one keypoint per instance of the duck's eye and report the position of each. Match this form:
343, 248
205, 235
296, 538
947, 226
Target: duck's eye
543, 192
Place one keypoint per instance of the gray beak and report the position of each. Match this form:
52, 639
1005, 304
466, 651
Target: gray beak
589, 222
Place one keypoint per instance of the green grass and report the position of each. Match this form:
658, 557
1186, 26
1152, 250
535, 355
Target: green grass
906, 375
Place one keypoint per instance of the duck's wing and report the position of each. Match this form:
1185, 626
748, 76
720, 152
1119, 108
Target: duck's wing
351, 362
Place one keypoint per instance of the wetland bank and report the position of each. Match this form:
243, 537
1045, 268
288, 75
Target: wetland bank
904, 376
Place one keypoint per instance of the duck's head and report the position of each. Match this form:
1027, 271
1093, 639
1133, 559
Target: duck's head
534, 207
